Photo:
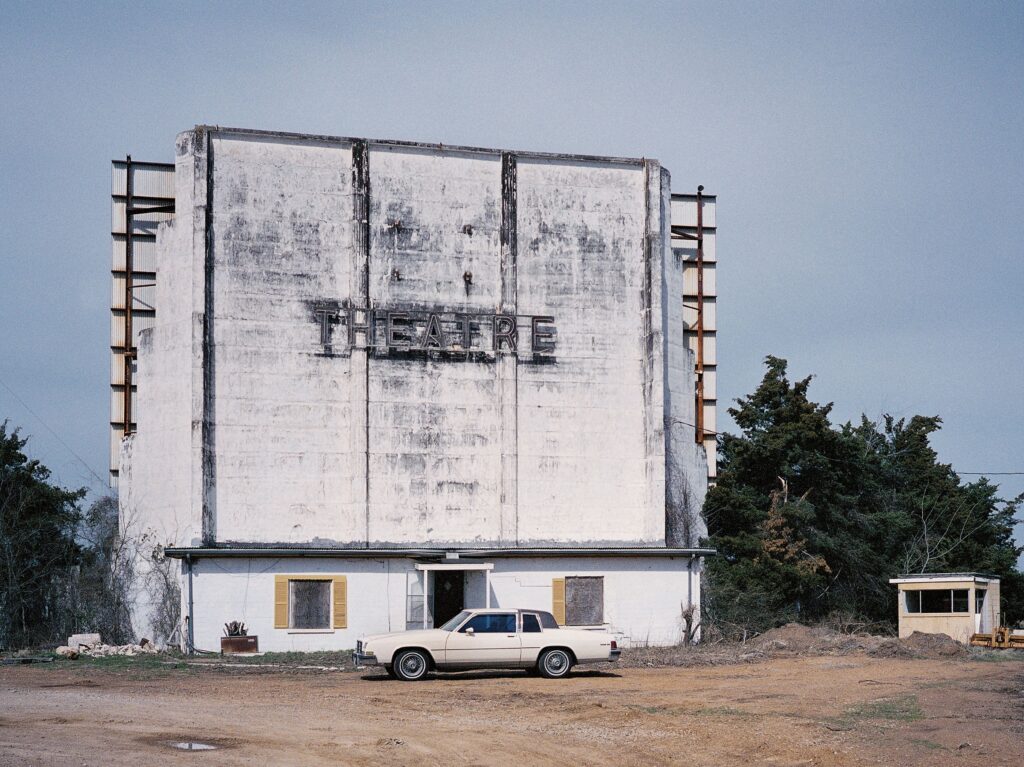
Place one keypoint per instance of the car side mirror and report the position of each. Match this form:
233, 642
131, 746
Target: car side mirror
470, 631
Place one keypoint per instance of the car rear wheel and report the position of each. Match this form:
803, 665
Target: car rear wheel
554, 664
411, 665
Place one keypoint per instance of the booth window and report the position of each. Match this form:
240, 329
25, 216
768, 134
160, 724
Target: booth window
937, 600
979, 600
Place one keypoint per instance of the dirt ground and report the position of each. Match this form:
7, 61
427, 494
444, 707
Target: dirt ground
849, 709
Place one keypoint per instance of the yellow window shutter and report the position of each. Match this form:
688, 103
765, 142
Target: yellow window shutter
280, 601
558, 600
340, 602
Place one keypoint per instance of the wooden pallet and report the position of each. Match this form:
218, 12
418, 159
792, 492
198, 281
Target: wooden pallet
1001, 638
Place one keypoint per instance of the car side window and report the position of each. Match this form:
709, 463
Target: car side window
547, 620
531, 625
493, 623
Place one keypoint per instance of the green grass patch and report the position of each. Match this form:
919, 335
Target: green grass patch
902, 709
326, 658
718, 711
983, 655
931, 745
700, 711
652, 709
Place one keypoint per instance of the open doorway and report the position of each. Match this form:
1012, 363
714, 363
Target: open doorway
449, 594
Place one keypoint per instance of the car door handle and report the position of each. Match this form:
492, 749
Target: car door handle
511, 636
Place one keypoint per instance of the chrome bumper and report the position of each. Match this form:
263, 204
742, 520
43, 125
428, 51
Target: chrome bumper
361, 658
613, 655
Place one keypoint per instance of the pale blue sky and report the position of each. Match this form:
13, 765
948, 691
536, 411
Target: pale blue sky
868, 159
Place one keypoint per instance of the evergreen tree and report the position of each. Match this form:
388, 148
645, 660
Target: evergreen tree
38, 551
810, 519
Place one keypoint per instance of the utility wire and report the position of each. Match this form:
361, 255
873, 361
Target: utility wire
993, 473
969, 473
687, 423
55, 435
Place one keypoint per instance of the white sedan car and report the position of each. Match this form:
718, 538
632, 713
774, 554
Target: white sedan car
473, 639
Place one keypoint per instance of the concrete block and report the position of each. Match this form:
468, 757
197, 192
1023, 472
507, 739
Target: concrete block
75, 641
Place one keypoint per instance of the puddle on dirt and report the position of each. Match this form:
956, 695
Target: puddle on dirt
192, 745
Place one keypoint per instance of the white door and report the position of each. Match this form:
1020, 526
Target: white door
487, 639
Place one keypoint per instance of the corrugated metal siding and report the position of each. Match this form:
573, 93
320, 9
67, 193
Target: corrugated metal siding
147, 180
143, 254
116, 402
140, 322
143, 223
684, 210
116, 370
710, 280
144, 293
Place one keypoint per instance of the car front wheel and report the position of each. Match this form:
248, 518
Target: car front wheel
554, 664
410, 665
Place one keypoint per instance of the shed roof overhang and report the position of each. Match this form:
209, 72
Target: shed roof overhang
944, 578
449, 555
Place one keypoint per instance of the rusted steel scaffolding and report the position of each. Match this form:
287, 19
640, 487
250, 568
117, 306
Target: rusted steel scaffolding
136, 210
696, 234
130, 211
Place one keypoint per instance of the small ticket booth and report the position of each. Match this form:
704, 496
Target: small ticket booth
955, 604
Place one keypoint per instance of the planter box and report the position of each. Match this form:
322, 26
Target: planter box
231, 645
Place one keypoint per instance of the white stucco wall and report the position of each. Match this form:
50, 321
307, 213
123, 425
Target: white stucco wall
434, 438
643, 597
357, 448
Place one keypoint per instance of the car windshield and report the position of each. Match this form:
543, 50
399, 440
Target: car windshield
455, 622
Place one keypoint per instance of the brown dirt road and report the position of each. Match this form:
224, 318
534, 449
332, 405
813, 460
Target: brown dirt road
849, 710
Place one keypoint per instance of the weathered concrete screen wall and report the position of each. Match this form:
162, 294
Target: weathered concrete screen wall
435, 426
306, 429
283, 235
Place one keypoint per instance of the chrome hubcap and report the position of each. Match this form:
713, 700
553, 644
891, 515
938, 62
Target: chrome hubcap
556, 662
412, 665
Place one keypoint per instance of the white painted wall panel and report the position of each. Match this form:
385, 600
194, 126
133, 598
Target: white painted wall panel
582, 453
282, 223
434, 437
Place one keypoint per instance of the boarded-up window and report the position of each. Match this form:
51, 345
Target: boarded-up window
584, 601
309, 604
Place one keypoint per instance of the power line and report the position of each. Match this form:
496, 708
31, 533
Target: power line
55, 435
687, 423
969, 473
993, 473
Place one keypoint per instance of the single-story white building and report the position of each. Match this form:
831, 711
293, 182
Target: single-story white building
315, 599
